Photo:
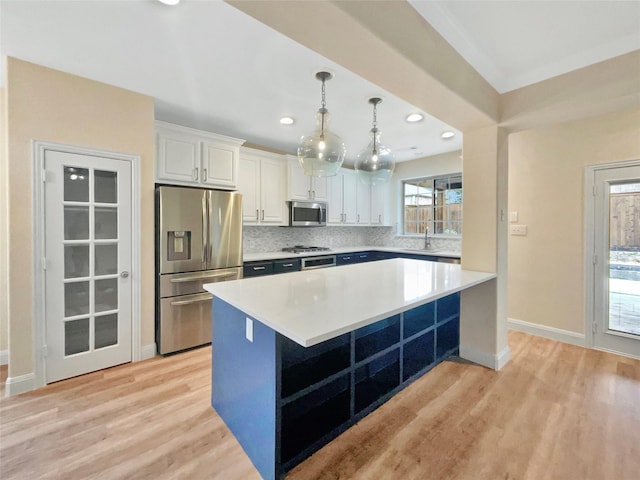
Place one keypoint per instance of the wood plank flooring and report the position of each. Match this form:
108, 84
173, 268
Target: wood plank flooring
556, 411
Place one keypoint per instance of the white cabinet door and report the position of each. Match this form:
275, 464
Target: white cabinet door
219, 165
178, 157
299, 183
249, 187
349, 205
363, 203
319, 189
379, 196
334, 197
273, 177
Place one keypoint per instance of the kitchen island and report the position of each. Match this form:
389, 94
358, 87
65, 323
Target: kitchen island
300, 357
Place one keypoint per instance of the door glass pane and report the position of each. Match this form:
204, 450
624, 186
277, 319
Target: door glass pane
105, 187
76, 223
106, 294
76, 261
76, 298
76, 336
106, 223
106, 330
76, 184
106, 259
624, 258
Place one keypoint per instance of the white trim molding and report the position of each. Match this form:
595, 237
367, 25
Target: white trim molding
20, 384
148, 351
489, 360
558, 334
4, 357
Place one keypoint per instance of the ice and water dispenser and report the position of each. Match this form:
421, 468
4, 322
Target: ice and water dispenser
178, 245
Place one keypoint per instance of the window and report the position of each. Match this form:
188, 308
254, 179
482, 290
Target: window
434, 203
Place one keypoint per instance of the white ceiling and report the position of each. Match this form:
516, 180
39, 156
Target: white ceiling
516, 43
211, 66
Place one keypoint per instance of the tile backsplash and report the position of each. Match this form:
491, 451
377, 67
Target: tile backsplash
272, 239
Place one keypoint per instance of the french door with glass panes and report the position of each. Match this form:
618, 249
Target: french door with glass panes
88, 290
616, 325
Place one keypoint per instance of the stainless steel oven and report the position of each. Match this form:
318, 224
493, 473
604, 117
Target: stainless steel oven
321, 261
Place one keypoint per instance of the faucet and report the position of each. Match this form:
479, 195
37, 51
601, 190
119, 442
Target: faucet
427, 240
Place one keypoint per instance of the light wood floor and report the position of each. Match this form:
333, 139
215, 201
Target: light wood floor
554, 412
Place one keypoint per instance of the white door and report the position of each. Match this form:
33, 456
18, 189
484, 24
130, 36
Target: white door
88, 290
617, 260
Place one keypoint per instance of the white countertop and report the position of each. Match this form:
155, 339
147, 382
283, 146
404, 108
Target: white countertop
251, 257
312, 306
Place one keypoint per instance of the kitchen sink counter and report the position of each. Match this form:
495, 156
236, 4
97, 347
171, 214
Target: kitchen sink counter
250, 257
312, 306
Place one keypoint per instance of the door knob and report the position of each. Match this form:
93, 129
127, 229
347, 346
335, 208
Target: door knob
124, 274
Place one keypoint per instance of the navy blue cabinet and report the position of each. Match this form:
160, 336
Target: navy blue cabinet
358, 257
286, 265
328, 387
255, 269
267, 267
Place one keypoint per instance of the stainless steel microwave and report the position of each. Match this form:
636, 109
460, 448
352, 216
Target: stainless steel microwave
307, 214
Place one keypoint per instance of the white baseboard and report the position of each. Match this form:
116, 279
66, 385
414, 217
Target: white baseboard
552, 333
20, 384
148, 351
489, 360
4, 357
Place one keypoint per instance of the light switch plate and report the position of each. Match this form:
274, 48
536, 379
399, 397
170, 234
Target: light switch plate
518, 229
513, 217
249, 329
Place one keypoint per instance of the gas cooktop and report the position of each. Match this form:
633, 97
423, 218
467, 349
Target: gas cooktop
304, 248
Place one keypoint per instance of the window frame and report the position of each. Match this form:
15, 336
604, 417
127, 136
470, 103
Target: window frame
443, 208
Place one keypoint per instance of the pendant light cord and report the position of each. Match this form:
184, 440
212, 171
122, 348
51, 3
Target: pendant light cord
323, 110
375, 126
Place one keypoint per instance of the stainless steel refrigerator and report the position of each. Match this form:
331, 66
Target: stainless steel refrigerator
198, 241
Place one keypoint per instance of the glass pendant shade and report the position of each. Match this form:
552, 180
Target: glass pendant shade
374, 165
322, 152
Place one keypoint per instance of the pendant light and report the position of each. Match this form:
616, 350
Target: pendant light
375, 164
322, 152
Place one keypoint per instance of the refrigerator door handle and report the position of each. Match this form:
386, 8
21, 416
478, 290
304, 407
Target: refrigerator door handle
205, 230
203, 277
194, 299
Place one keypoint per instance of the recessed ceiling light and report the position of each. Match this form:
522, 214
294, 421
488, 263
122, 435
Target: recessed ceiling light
414, 117
448, 134
287, 121
170, 2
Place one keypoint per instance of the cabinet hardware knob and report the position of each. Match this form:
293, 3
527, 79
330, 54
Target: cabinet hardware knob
257, 214
195, 174
124, 274
204, 175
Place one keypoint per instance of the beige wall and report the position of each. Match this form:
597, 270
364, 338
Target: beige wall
546, 188
53, 106
4, 306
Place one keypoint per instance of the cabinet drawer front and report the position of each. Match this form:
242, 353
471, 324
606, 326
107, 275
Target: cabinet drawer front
255, 269
345, 258
288, 265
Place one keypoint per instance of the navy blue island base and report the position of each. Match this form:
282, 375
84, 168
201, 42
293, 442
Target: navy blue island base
283, 401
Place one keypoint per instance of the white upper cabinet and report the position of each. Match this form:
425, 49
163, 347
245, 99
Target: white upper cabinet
363, 203
302, 187
379, 204
341, 190
186, 156
262, 181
